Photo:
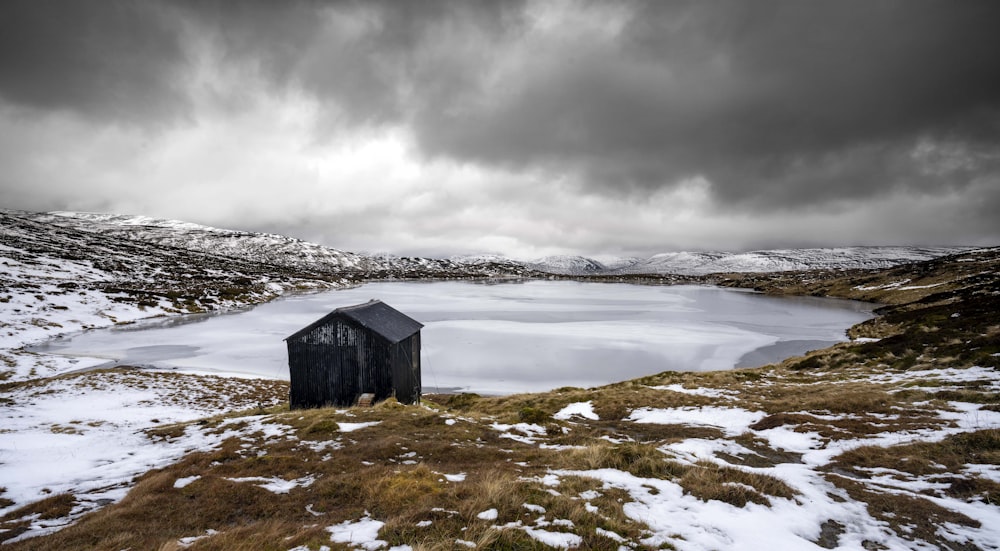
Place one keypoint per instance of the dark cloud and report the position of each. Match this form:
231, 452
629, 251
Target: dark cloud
780, 105
775, 102
368, 63
112, 60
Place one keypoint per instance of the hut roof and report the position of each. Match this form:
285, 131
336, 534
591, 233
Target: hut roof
375, 315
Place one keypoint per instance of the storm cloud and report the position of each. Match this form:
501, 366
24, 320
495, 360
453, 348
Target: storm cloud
745, 114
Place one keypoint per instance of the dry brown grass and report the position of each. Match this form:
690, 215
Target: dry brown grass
395, 470
267, 534
854, 425
737, 487
924, 458
945, 461
911, 517
392, 493
843, 398
17, 521
367, 473
491, 489
761, 455
596, 455
610, 403
642, 460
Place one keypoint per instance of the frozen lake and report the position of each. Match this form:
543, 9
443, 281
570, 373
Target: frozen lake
508, 337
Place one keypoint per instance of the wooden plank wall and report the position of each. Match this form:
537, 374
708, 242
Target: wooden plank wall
336, 362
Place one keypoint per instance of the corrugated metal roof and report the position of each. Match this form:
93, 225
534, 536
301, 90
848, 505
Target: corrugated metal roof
375, 315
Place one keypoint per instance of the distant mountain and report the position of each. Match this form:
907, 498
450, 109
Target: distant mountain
780, 260
619, 263
567, 265
302, 257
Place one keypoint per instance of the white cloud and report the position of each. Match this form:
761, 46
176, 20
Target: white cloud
262, 169
252, 156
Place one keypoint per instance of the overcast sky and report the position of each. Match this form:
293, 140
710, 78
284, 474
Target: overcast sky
528, 129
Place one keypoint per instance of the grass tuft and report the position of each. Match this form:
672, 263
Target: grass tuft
737, 487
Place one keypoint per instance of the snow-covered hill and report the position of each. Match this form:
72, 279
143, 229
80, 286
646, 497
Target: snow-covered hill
57, 279
65, 272
568, 265
780, 260
255, 247
274, 250
304, 257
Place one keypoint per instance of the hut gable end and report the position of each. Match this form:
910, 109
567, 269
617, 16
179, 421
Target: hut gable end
375, 315
369, 348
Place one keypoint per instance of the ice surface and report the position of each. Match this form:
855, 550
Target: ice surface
502, 338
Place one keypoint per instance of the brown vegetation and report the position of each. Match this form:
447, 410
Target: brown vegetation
428, 471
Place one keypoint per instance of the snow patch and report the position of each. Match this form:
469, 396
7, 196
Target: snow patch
708, 392
277, 485
489, 514
351, 427
363, 533
582, 409
559, 540
733, 421
183, 482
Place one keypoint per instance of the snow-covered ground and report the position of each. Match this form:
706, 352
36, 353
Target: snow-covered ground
85, 434
91, 433
56, 304
686, 522
65, 429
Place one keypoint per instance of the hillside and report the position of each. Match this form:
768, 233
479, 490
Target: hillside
294, 254
67, 272
891, 441
273, 250
778, 260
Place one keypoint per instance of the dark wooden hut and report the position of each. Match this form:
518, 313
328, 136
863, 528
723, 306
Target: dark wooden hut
369, 348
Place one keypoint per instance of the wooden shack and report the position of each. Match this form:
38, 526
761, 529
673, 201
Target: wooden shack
368, 348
